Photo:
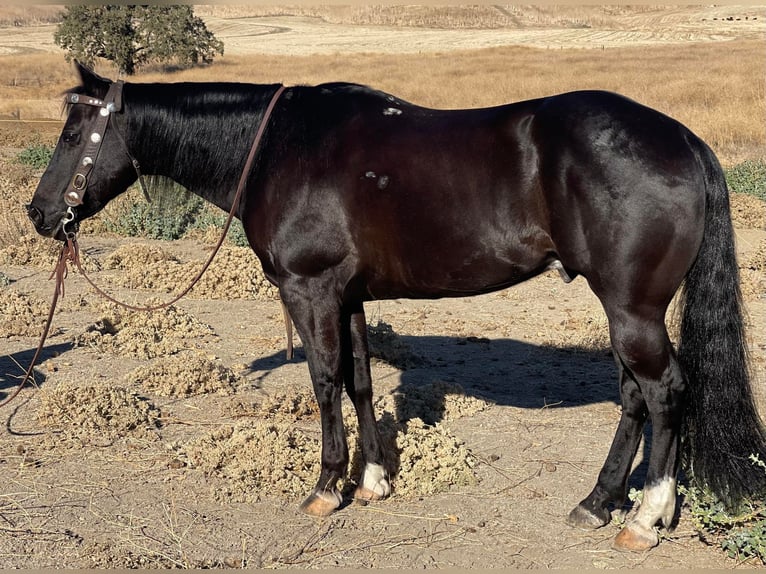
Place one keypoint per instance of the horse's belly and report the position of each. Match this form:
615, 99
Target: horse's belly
444, 275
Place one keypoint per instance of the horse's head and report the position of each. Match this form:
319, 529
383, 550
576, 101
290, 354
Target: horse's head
90, 164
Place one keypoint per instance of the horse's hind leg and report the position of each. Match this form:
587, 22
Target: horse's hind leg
651, 377
610, 489
373, 484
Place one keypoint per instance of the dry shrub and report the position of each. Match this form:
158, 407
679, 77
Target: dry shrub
748, 211
140, 334
95, 411
235, 273
136, 255
276, 455
250, 457
435, 402
21, 314
184, 375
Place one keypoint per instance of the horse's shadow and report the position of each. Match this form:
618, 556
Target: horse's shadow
14, 365
505, 372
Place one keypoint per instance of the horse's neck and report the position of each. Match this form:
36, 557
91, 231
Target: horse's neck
200, 140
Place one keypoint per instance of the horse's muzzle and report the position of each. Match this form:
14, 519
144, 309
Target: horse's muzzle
49, 226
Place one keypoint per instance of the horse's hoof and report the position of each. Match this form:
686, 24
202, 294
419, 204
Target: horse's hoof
363, 495
635, 538
375, 485
585, 520
321, 503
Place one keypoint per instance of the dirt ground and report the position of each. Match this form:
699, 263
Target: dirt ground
187, 439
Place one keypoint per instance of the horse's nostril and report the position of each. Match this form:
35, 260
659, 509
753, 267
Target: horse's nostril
35, 215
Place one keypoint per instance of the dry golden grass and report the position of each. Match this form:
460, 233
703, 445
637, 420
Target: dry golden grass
25, 15
453, 17
716, 90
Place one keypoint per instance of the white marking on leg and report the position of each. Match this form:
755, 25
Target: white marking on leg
375, 480
658, 504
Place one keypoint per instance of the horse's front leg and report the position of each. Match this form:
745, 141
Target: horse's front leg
316, 314
373, 484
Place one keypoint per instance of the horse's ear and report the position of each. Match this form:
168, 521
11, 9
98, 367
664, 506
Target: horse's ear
92, 82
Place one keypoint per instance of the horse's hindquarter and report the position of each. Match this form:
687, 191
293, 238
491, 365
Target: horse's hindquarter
410, 202
625, 192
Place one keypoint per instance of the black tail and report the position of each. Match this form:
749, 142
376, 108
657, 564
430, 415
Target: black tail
723, 428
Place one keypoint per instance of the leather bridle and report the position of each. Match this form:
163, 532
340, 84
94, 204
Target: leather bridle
111, 104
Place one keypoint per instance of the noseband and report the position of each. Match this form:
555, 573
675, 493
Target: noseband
73, 196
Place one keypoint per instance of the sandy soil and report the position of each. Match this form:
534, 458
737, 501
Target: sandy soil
163, 439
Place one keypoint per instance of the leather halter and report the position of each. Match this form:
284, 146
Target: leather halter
112, 103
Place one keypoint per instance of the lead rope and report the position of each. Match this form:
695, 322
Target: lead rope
70, 252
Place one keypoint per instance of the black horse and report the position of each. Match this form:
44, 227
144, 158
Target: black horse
354, 195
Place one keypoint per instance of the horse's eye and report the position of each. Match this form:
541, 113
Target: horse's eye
70, 138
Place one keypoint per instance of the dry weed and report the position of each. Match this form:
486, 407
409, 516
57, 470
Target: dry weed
582, 333
432, 403
715, 90
131, 256
388, 347
271, 452
753, 273
234, 274
144, 335
33, 251
431, 460
757, 261
293, 403
253, 458
21, 314
184, 375
96, 411
748, 211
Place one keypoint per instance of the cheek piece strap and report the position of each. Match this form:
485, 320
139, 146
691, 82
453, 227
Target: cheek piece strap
112, 103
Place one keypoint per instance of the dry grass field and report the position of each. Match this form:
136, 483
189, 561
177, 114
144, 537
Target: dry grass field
185, 439
697, 66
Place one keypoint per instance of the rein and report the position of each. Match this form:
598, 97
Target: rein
70, 251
